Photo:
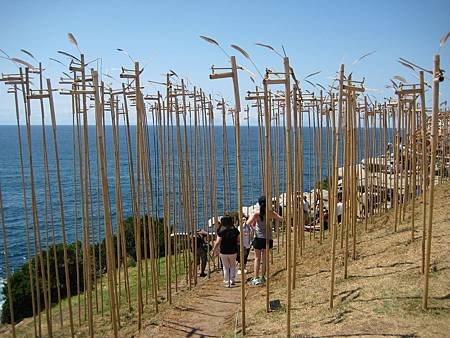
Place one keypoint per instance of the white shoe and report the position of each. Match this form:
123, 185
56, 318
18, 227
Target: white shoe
239, 272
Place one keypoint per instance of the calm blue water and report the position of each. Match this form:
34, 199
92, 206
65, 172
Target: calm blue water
10, 179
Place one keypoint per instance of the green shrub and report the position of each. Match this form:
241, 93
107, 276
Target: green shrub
20, 281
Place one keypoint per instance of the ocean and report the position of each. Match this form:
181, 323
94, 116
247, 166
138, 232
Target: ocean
10, 178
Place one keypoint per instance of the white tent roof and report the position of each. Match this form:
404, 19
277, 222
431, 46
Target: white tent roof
212, 221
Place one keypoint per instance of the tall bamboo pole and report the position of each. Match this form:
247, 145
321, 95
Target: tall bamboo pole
434, 137
61, 206
106, 207
424, 166
288, 217
335, 183
25, 207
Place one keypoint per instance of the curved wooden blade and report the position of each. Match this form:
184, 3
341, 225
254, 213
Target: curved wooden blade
321, 86
312, 74
444, 39
241, 50
400, 78
24, 63
55, 60
28, 53
68, 55
394, 84
312, 84
269, 47
210, 40
412, 64
4, 53
363, 56
73, 41
406, 65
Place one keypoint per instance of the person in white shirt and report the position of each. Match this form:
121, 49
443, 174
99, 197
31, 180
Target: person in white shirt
339, 210
247, 232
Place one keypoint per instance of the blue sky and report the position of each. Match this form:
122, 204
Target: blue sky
317, 35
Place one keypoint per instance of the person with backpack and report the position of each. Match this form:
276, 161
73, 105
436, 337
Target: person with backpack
226, 246
259, 220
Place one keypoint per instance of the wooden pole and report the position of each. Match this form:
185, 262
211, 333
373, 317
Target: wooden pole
25, 207
335, 183
434, 136
288, 216
424, 166
61, 207
106, 207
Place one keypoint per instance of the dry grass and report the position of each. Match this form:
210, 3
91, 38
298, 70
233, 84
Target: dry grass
381, 296
383, 292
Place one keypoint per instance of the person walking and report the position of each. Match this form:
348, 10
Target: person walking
259, 221
226, 246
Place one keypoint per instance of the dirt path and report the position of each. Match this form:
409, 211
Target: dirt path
206, 311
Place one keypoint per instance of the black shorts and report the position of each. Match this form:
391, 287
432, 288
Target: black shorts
260, 243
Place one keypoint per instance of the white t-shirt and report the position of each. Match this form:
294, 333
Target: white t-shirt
339, 208
306, 206
246, 234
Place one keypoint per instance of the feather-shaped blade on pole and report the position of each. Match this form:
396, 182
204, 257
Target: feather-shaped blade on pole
55, 60
414, 65
312, 84
312, 74
68, 55
214, 42
444, 39
4, 53
394, 84
242, 51
23, 63
173, 73
73, 41
407, 65
269, 47
29, 54
400, 78
321, 86
247, 56
363, 56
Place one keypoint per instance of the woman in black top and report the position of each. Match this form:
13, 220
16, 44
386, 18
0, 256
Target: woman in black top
227, 245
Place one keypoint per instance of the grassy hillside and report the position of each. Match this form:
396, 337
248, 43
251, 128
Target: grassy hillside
383, 292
